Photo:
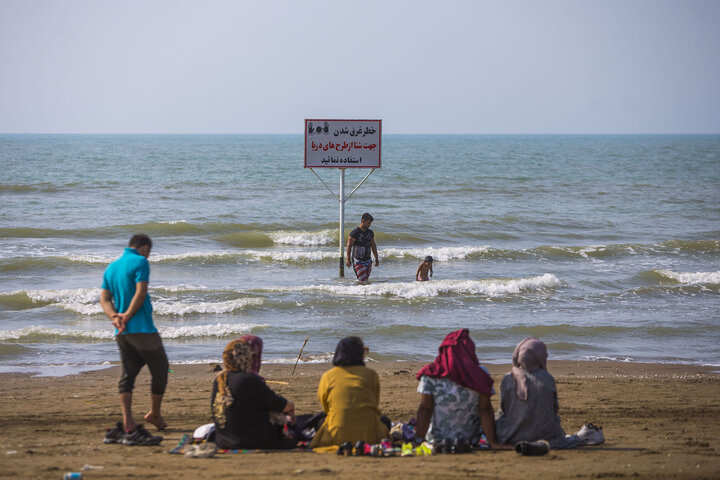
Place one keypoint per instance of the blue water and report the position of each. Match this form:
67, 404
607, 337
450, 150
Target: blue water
606, 247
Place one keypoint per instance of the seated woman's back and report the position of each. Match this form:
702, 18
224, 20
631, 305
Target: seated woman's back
241, 401
247, 420
528, 400
350, 396
532, 419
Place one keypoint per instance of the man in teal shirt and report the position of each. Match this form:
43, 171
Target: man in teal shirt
125, 301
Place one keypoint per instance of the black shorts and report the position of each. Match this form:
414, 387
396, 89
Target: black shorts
136, 350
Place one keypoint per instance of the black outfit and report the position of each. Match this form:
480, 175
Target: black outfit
247, 419
363, 241
137, 350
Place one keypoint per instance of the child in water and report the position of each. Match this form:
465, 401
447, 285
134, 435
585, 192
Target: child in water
422, 272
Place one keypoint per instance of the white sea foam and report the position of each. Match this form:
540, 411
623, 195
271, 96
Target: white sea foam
442, 254
291, 256
692, 278
78, 295
434, 288
590, 249
180, 288
106, 334
186, 308
85, 301
210, 330
87, 258
322, 237
166, 332
193, 255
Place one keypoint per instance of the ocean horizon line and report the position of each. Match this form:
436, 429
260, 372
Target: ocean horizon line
476, 134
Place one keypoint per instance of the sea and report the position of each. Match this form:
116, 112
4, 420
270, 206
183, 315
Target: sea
606, 247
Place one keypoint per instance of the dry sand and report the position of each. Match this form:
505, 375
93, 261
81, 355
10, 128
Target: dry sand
660, 421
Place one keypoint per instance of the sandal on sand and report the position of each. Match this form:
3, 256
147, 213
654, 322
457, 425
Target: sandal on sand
202, 450
591, 435
540, 447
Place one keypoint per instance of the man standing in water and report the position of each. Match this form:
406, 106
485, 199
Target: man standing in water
361, 242
125, 301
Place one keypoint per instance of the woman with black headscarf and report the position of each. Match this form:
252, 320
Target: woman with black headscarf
350, 396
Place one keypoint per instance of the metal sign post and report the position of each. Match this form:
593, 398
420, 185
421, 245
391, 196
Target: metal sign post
341, 200
342, 144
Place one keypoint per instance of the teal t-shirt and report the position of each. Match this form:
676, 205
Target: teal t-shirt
120, 278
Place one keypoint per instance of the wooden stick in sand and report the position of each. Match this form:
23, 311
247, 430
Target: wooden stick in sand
299, 354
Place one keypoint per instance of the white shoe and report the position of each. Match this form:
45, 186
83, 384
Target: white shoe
589, 434
202, 450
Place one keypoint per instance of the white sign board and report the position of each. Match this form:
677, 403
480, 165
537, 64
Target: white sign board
342, 143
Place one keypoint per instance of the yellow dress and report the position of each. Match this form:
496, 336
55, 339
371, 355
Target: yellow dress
351, 397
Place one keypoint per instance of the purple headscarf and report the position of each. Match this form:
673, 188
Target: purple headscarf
529, 355
256, 345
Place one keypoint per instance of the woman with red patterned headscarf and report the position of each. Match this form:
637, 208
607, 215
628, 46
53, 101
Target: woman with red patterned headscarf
455, 395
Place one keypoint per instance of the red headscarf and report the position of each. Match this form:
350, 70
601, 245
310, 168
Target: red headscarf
458, 361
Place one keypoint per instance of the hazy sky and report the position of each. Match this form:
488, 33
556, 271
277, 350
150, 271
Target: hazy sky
451, 66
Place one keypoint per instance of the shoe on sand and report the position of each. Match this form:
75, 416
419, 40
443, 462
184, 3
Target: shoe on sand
345, 448
407, 450
537, 448
360, 448
140, 437
114, 435
423, 449
591, 435
201, 450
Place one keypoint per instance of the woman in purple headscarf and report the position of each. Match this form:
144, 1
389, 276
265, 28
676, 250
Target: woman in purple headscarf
529, 402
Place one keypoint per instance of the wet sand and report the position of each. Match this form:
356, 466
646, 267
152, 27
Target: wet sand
660, 421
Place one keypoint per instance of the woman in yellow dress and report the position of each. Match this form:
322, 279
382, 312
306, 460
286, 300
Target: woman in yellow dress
350, 396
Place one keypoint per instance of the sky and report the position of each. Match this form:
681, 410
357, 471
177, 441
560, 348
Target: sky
451, 66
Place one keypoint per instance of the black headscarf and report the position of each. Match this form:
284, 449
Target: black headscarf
349, 352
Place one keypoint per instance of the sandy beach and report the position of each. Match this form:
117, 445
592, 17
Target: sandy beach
660, 421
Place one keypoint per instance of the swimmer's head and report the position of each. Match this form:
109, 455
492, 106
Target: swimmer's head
429, 259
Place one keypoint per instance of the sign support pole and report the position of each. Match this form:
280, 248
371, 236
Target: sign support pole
342, 221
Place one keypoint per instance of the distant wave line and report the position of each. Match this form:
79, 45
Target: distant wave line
217, 330
434, 288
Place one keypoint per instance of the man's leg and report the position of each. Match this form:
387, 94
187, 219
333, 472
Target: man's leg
154, 354
131, 365
126, 406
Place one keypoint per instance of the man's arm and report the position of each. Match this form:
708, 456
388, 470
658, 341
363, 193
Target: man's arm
141, 289
348, 250
374, 251
106, 302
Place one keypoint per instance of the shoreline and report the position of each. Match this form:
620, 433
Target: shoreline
660, 421
74, 370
